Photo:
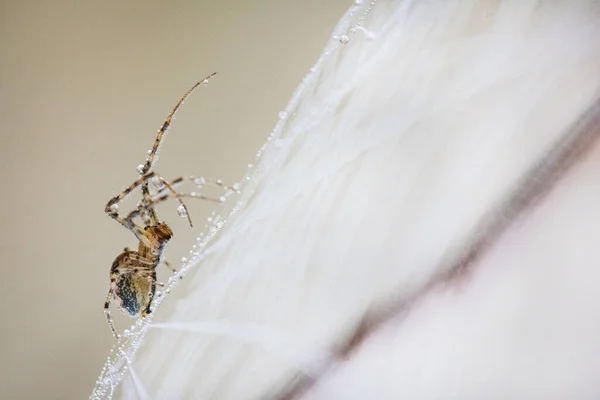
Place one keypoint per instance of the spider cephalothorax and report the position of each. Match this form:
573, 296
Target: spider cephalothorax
133, 273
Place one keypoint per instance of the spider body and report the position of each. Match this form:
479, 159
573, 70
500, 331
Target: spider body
133, 273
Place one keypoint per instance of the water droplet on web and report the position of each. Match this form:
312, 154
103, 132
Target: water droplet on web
344, 39
222, 199
181, 211
140, 169
114, 208
236, 186
183, 260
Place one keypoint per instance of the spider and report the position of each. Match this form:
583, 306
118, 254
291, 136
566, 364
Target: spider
133, 273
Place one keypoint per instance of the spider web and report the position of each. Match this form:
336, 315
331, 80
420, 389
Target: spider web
123, 352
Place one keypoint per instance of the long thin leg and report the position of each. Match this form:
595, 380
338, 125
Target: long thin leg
168, 265
127, 222
167, 196
159, 135
199, 182
167, 123
107, 313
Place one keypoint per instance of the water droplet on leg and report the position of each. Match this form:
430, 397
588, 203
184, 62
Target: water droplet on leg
181, 211
157, 183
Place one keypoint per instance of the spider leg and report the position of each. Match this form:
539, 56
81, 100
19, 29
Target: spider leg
166, 196
128, 222
199, 182
107, 313
168, 265
161, 132
149, 215
152, 217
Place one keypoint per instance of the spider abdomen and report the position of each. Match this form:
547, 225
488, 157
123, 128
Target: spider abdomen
133, 281
133, 293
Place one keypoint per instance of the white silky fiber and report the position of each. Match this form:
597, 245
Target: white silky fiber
402, 153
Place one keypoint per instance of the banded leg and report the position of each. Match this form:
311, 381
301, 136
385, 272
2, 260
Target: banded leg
127, 222
200, 182
109, 319
152, 217
166, 196
161, 132
168, 265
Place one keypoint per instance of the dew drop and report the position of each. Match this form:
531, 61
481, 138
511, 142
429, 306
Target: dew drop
283, 115
157, 183
209, 219
205, 81
114, 208
236, 186
222, 199
140, 169
344, 39
183, 260
181, 211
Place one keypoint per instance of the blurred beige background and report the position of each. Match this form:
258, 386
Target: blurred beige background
84, 86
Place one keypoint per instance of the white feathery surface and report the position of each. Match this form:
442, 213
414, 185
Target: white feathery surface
393, 154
